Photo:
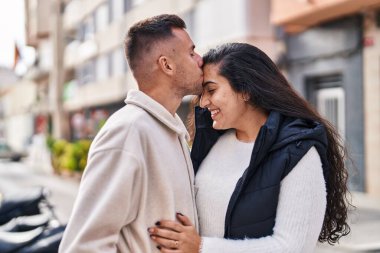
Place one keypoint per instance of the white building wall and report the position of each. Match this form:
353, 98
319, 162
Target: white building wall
18, 117
19, 131
219, 20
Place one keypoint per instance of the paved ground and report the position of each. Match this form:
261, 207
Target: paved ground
365, 231
365, 220
365, 226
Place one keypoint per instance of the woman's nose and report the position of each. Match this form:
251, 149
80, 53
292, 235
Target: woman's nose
204, 101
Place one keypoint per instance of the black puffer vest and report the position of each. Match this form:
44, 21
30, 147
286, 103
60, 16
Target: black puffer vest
281, 143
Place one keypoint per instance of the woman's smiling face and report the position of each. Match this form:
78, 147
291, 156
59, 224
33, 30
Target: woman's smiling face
227, 107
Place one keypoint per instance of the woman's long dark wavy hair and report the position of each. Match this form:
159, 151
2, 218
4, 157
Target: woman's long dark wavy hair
250, 71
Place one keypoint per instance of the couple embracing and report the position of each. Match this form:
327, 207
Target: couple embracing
265, 173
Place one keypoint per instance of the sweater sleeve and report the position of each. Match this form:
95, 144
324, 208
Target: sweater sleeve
300, 214
107, 200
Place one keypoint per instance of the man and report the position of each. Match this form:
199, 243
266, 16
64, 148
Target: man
139, 169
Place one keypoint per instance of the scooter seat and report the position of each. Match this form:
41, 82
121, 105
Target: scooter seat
26, 223
21, 204
12, 241
48, 242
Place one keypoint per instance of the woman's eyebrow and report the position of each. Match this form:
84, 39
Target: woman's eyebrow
204, 84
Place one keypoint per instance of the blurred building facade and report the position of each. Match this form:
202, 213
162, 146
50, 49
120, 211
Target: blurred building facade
82, 68
332, 58
7, 77
329, 50
16, 120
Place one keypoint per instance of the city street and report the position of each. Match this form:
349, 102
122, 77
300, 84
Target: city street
365, 220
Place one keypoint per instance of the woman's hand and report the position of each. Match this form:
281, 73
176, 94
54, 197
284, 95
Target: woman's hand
173, 237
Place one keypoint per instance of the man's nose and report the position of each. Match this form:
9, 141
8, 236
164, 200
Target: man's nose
200, 61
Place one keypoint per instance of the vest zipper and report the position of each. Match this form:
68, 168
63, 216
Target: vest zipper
239, 186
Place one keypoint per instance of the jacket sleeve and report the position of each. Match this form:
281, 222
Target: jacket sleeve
300, 213
108, 200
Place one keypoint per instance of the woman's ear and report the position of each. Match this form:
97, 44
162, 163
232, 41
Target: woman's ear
166, 65
245, 97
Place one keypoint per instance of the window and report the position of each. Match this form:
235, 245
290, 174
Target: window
86, 73
80, 32
102, 67
110, 11
136, 2
102, 17
79, 75
127, 5
327, 94
110, 64
89, 27
86, 29
188, 17
116, 9
330, 103
119, 62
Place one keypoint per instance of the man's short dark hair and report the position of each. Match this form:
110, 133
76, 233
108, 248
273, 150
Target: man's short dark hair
144, 34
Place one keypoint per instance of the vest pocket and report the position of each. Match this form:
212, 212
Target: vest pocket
255, 207
255, 230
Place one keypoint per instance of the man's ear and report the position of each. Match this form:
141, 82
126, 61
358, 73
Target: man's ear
166, 65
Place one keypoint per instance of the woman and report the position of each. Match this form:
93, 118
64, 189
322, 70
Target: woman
269, 169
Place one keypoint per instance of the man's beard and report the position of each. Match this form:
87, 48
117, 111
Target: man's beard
196, 88
189, 89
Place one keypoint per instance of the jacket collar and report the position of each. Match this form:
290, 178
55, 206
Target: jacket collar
142, 100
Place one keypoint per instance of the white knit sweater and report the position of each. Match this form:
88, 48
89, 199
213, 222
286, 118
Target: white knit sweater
300, 210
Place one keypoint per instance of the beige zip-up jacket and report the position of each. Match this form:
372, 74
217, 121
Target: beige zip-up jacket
138, 172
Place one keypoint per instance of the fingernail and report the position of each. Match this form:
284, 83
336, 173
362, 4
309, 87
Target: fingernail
158, 223
150, 230
180, 214
159, 247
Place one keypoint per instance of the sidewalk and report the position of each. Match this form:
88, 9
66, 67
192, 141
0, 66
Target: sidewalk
365, 228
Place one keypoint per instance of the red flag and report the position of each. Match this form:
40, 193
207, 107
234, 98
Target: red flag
17, 56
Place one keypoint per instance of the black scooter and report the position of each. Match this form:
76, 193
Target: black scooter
28, 223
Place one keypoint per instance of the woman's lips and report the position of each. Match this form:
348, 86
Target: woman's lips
214, 113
